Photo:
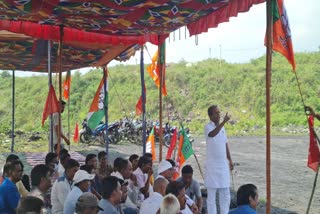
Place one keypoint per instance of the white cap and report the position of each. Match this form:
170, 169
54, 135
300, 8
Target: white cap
82, 175
163, 166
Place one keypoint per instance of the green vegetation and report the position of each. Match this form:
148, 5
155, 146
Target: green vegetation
237, 88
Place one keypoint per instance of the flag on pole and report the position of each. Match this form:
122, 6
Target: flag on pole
139, 103
76, 134
51, 106
172, 144
282, 42
314, 154
162, 66
184, 151
66, 86
150, 147
97, 108
157, 63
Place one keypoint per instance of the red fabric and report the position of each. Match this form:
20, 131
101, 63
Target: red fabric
76, 134
172, 144
314, 154
222, 15
52, 32
51, 106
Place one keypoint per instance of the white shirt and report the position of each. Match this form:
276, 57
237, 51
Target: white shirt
217, 173
55, 122
141, 180
71, 200
151, 204
60, 169
59, 193
186, 211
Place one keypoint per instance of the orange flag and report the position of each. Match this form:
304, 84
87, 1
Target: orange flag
172, 144
66, 86
180, 159
154, 70
51, 106
76, 134
150, 148
314, 154
282, 42
139, 103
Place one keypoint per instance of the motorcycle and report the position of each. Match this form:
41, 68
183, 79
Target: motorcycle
87, 135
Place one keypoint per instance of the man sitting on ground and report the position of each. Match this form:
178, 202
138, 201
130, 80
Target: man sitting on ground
87, 204
62, 186
177, 188
104, 169
81, 184
41, 183
192, 186
153, 203
30, 205
247, 200
170, 205
111, 195
165, 170
9, 195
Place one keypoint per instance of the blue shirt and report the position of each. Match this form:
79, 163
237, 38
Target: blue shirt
71, 200
107, 207
9, 197
243, 209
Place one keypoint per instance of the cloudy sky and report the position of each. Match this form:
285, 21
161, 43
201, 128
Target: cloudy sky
241, 39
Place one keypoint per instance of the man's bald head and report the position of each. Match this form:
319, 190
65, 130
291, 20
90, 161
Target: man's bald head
160, 186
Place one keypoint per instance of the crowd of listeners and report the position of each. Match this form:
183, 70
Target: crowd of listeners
128, 186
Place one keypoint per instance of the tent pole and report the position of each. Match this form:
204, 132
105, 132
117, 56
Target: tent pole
60, 90
106, 109
268, 116
69, 109
13, 109
50, 146
160, 100
143, 94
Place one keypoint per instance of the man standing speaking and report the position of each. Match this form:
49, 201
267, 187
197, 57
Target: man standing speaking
218, 162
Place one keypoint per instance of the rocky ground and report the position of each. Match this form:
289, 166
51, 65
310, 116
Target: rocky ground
292, 180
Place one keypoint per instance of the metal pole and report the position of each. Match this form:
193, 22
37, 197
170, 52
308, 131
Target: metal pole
13, 110
268, 116
105, 73
143, 94
50, 145
160, 100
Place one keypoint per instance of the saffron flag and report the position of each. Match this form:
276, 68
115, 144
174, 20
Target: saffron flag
157, 63
76, 134
99, 102
139, 108
184, 151
66, 86
51, 106
150, 147
172, 144
282, 42
313, 156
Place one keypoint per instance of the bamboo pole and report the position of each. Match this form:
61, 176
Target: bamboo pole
268, 116
50, 146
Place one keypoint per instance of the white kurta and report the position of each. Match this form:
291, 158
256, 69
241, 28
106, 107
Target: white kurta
217, 174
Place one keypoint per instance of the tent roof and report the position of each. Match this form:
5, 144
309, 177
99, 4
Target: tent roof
126, 17
95, 32
20, 52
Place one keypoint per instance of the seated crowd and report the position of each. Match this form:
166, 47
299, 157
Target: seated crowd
62, 186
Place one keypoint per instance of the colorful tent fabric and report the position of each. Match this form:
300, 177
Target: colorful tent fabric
19, 52
127, 18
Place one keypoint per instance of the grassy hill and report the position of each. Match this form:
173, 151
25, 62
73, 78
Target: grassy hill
237, 88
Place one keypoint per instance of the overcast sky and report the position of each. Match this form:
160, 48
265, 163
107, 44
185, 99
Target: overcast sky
242, 38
